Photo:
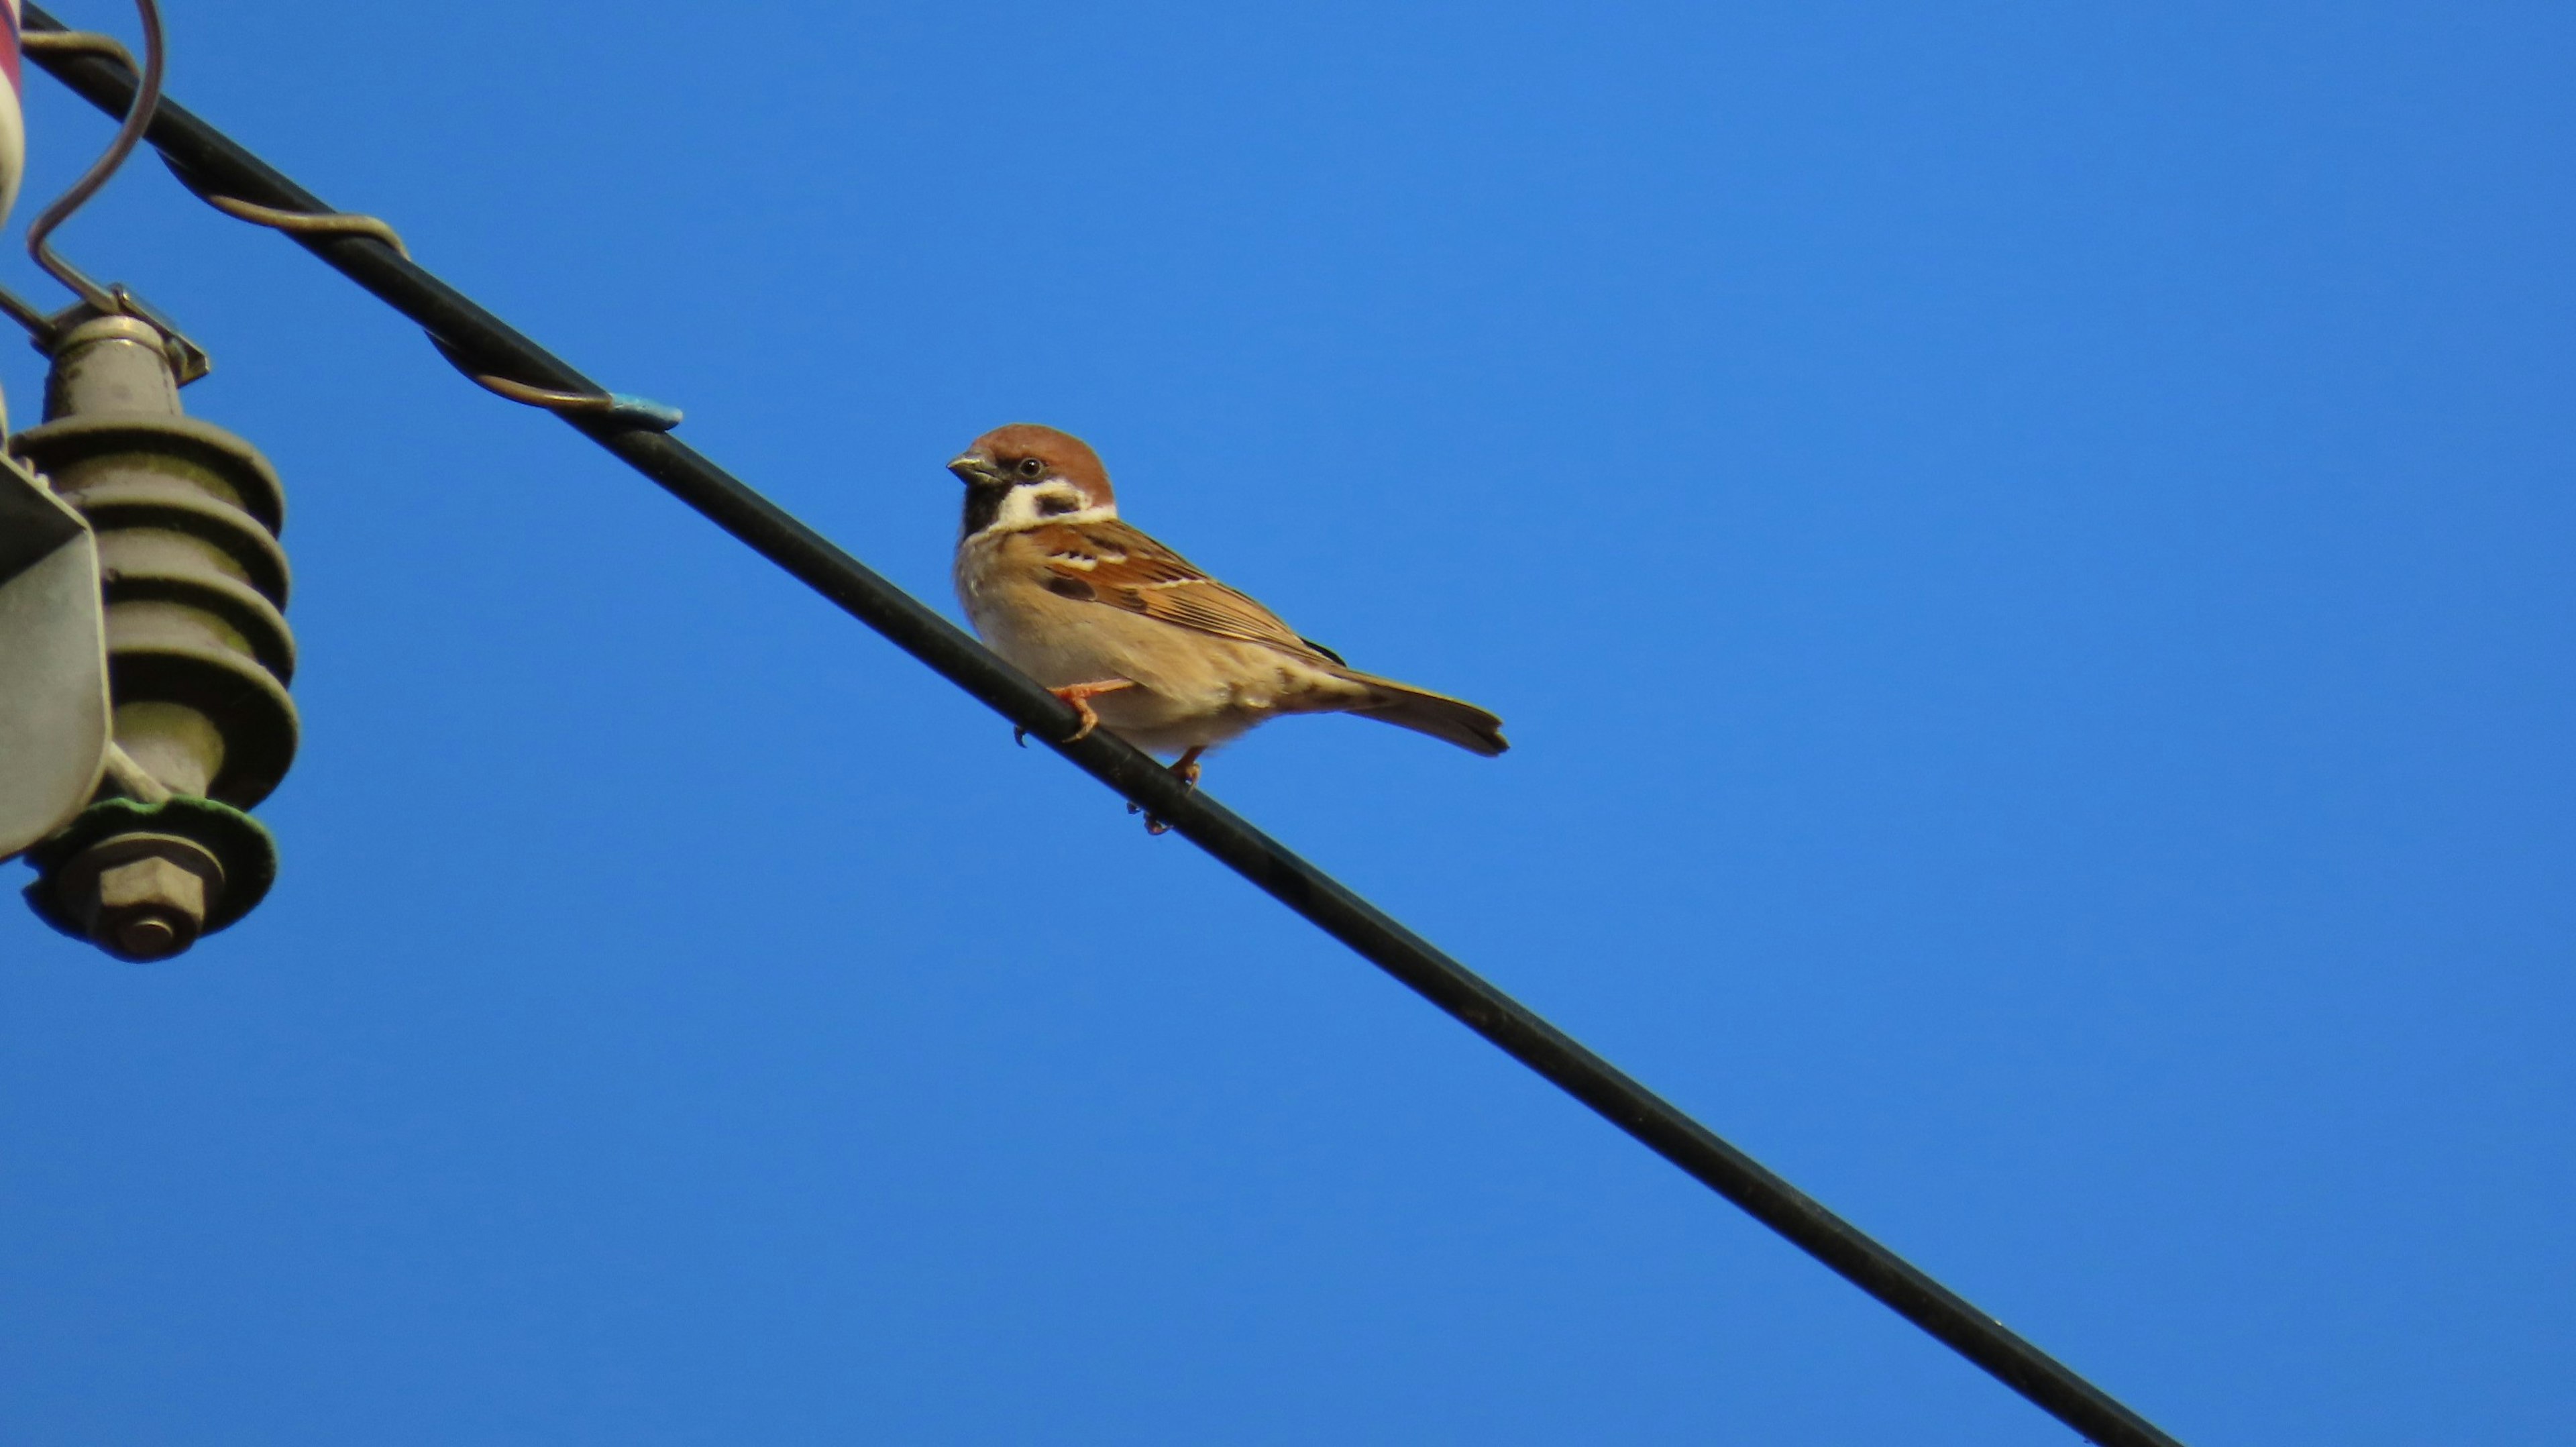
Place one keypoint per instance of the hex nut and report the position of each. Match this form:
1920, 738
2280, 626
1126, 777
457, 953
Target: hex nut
149, 908
141, 897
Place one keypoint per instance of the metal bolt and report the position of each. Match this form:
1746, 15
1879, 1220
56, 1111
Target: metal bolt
150, 909
141, 896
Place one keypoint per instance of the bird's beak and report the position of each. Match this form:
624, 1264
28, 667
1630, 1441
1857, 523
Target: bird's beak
974, 468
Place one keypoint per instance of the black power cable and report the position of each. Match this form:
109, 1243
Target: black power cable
211, 164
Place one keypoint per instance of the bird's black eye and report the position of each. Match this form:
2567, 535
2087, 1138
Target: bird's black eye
1031, 467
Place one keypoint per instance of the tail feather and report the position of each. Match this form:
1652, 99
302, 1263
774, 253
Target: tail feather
1453, 720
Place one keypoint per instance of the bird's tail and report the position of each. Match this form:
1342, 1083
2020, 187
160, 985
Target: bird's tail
1451, 719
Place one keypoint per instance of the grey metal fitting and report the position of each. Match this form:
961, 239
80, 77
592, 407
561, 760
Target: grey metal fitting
198, 651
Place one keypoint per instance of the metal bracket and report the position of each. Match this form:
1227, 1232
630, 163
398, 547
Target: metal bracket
188, 361
54, 717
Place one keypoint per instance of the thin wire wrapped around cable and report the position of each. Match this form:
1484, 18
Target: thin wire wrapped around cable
138, 118
622, 407
625, 407
310, 223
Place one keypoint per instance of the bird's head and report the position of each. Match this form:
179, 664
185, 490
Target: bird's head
1023, 475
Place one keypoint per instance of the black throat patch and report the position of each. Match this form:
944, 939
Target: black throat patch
983, 505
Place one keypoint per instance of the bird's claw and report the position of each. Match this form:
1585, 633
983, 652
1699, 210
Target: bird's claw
1185, 769
1080, 695
1090, 721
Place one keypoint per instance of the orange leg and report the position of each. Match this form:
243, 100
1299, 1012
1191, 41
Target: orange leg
1080, 696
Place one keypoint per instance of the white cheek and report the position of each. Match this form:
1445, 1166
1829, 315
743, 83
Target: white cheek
1020, 507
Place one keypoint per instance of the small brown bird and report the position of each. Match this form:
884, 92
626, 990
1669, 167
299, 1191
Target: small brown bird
1129, 633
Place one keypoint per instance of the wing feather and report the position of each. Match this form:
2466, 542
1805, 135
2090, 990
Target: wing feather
1126, 569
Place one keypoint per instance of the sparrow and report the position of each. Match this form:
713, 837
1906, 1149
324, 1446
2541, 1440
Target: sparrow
1136, 638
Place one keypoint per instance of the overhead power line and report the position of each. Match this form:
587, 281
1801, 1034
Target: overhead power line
230, 177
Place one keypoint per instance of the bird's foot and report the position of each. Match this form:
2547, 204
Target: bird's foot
1186, 769
1080, 696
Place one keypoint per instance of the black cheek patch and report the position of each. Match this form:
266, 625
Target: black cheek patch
1053, 505
1074, 588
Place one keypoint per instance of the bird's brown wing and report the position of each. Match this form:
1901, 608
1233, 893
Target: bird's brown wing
1110, 562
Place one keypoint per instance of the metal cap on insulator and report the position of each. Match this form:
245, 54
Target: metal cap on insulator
111, 364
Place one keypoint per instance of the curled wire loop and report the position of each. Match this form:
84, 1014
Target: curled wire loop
309, 223
129, 134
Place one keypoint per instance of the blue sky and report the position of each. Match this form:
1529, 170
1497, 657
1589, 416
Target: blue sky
2022, 551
